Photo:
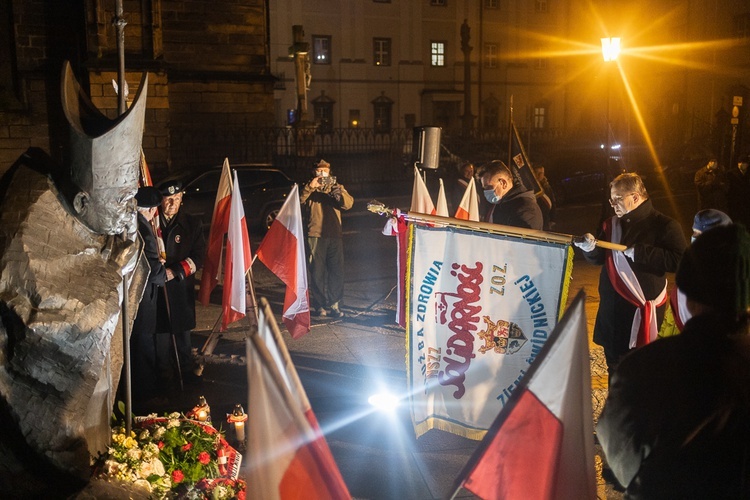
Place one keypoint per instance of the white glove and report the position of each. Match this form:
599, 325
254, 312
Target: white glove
629, 253
587, 242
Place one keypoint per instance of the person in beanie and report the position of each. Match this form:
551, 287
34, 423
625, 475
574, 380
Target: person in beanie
185, 248
677, 314
322, 200
676, 422
142, 341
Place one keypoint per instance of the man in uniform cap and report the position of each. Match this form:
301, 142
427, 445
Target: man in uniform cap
675, 423
142, 341
185, 248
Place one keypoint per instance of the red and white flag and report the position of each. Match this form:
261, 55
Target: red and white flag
442, 204
219, 227
145, 180
269, 332
468, 209
420, 196
237, 262
283, 252
541, 445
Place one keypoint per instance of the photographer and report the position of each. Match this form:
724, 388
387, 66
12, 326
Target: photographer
322, 201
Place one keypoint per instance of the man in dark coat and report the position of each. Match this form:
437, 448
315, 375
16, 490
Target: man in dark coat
142, 341
185, 249
510, 204
632, 283
676, 423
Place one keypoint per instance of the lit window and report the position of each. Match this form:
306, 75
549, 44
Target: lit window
437, 51
354, 118
381, 51
321, 49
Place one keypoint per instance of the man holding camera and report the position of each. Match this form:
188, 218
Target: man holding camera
322, 200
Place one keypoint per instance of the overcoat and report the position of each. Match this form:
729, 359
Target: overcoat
185, 247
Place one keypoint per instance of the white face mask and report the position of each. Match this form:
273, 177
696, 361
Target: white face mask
322, 173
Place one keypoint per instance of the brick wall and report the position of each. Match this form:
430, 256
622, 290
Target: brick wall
207, 65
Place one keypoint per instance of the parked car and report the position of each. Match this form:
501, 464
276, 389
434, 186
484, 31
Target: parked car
581, 174
264, 190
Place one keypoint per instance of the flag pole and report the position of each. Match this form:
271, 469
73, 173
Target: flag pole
510, 132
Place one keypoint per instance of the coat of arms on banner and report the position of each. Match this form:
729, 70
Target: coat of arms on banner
480, 308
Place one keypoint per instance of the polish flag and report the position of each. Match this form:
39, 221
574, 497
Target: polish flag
270, 334
398, 227
420, 196
442, 203
468, 209
145, 180
283, 252
541, 445
238, 261
219, 227
284, 459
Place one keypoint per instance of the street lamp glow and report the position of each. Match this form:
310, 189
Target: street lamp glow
610, 48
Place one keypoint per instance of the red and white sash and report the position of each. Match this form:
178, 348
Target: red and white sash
678, 303
625, 282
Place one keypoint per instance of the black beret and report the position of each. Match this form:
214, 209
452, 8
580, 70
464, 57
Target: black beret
169, 188
148, 197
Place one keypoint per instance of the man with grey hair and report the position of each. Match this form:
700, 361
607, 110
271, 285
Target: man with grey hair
632, 283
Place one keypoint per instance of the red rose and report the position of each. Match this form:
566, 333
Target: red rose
161, 445
186, 447
241, 495
177, 476
204, 458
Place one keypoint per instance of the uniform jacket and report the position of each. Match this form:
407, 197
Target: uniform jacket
675, 423
517, 208
145, 320
322, 209
658, 243
186, 248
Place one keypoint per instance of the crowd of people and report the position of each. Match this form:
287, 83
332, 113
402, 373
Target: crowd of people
675, 421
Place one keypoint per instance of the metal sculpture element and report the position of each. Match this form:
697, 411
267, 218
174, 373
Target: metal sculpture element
61, 279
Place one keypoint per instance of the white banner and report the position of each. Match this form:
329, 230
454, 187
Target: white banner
480, 309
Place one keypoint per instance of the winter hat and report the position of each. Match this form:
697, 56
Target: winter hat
715, 269
706, 219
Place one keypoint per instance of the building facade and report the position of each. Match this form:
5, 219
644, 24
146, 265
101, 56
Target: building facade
385, 64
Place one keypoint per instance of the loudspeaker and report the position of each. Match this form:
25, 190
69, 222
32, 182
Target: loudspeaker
427, 140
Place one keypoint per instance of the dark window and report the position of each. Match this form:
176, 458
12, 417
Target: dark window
491, 4
742, 26
541, 6
381, 48
382, 108
490, 55
540, 117
321, 49
439, 3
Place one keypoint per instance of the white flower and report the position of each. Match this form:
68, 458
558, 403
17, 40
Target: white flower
150, 450
144, 435
159, 432
142, 483
174, 415
111, 467
158, 467
173, 423
134, 454
151, 415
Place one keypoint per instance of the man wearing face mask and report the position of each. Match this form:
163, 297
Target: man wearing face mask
511, 203
322, 200
632, 283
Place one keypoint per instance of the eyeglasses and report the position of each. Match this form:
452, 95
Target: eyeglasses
617, 199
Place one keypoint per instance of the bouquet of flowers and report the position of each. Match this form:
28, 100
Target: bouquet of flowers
173, 457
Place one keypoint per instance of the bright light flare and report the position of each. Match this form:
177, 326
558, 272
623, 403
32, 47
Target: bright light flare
610, 48
384, 401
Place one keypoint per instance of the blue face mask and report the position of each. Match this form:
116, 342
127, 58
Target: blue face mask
491, 196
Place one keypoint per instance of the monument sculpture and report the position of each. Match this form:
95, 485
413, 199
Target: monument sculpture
67, 239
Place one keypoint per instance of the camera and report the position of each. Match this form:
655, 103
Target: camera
327, 181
